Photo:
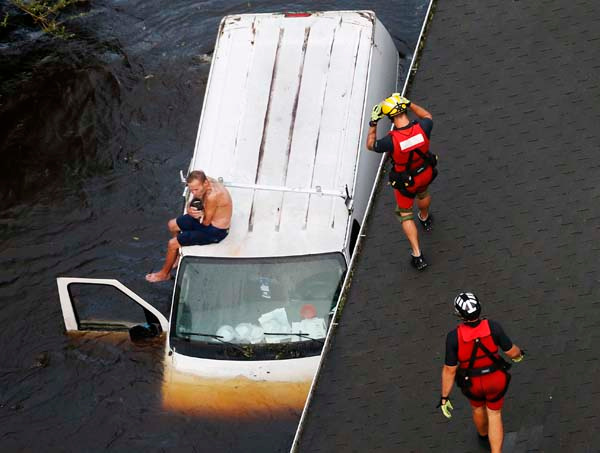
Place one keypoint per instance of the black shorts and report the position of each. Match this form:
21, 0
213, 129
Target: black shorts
194, 233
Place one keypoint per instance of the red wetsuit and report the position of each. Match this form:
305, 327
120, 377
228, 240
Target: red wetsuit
487, 387
405, 141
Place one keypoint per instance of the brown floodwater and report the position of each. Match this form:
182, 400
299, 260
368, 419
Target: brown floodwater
93, 133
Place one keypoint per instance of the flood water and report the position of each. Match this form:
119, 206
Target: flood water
93, 133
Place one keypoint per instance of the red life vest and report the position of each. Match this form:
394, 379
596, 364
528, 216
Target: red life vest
405, 141
467, 336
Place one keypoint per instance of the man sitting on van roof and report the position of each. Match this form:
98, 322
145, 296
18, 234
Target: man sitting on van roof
206, 222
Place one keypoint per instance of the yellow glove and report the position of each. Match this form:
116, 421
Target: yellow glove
376, 115
446, 407
519, 358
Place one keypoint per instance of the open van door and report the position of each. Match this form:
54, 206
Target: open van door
104, 305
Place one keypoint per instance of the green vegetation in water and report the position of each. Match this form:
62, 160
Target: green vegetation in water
46, 14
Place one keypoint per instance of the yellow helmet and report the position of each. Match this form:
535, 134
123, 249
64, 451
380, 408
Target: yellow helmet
394, 105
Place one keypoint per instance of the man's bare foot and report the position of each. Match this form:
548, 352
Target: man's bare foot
157, 277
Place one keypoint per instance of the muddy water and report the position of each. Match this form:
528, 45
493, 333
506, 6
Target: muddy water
93, 132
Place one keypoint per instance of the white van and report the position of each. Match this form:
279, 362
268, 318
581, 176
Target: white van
283, 126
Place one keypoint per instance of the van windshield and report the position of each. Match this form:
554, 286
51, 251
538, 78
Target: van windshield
255, 308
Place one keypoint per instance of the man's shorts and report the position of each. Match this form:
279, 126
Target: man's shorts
194, 233
488, 386
422, 181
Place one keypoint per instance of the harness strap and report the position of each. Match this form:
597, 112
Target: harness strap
499, 365
428, 161
404, 191
407, 163
496, 359
474, 372
428, 157
473, 354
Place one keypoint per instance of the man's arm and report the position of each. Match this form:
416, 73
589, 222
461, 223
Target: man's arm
371, 137
448, 376
210, 208
420, 111
450, 362
514, 352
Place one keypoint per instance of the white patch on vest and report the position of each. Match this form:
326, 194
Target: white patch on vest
413, 141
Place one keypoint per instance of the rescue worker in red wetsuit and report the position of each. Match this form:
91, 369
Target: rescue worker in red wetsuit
413, 165
473, 360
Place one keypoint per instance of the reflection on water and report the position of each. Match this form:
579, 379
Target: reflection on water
93, 133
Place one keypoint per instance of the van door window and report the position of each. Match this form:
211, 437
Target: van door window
101, 307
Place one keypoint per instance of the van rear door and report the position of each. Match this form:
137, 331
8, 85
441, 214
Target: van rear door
104, 305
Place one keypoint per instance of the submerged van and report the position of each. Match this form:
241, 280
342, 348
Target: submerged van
283, 127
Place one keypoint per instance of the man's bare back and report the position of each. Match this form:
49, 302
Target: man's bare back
217, 206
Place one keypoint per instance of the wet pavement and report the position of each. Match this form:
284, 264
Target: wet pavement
514, 94
93, 133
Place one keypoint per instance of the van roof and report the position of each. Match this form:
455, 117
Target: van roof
283, 111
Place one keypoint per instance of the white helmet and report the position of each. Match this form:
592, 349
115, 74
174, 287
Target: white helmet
467, 306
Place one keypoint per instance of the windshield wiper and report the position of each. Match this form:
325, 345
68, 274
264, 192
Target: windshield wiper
300, 334
210, 335
245, 352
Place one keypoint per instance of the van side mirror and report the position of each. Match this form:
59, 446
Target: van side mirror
143, 331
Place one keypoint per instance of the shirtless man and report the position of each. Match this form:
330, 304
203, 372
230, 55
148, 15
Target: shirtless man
198, 227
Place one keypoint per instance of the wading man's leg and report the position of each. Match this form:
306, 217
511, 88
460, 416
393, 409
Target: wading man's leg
404, 211
406, 217
173, 227
480, 419
423, 205
174, 230
495, 430
165, 272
